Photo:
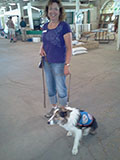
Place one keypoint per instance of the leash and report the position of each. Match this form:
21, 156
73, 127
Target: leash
43, 79
69, 84
44, 88
44, 93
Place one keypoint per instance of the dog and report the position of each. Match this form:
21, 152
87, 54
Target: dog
77, 122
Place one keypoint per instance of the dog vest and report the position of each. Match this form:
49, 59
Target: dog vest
85, 119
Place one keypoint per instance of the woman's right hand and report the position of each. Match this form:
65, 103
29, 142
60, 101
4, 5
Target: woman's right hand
42, 52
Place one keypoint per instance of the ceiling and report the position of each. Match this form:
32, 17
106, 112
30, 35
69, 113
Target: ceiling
7, 2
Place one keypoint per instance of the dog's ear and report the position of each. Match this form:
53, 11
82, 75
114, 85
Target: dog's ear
63, 112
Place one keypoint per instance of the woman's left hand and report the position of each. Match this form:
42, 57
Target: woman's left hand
66, 70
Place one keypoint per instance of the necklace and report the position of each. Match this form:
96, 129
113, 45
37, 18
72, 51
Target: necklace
53, 25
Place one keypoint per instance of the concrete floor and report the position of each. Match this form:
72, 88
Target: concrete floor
95, 87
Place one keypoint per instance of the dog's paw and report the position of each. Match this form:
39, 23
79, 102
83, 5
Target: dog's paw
69, 133
74, 151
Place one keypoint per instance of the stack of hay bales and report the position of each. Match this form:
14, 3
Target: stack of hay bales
80, 47
90, 44
77, 48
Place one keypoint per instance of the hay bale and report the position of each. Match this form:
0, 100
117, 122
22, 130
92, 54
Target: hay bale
78, 50
88, 44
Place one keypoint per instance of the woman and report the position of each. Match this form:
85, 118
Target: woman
56, 50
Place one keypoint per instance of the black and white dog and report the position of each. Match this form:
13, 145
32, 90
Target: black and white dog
77, 122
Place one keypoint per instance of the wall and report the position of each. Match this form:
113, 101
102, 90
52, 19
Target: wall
93, 18
99, 4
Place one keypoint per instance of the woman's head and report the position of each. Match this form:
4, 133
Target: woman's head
54, 10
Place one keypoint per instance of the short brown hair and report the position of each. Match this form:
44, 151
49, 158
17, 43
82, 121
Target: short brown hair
61, 8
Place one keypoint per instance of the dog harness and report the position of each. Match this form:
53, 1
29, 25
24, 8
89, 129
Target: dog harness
85, 119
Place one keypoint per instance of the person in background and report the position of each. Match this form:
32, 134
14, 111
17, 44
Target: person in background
23, 29
11, 29
56, 51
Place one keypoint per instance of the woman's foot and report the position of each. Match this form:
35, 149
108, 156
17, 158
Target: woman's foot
49, 114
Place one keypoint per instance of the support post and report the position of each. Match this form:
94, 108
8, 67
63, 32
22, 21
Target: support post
118, 38
30, 16
77, 25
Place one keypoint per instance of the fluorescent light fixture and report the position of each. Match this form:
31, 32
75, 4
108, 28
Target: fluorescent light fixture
25, 0
3, 7
12, 4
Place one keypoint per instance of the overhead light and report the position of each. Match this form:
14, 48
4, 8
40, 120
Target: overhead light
3, 7
12, 4
25, 0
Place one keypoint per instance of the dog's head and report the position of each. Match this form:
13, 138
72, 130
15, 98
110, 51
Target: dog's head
60, 116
